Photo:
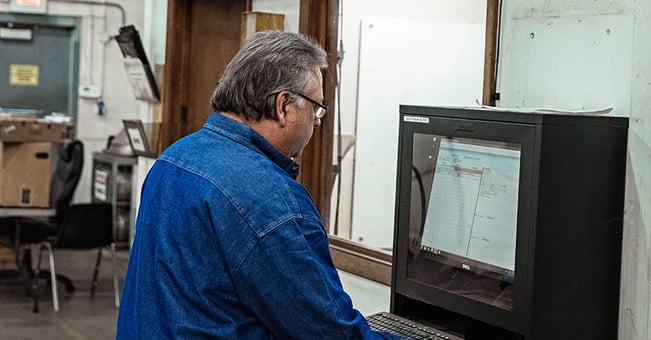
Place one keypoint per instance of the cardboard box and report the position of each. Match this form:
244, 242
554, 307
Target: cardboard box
25, 174
21, 129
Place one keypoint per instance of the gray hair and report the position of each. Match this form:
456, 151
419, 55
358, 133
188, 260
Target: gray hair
267, 63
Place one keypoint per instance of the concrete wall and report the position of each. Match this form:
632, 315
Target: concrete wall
635, 319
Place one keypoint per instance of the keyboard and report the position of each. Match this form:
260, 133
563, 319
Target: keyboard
405, 328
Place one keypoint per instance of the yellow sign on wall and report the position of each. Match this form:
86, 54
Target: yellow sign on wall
23, 75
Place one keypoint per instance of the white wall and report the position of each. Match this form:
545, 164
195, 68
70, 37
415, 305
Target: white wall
101, 64
586, 54
360, 227
418, 62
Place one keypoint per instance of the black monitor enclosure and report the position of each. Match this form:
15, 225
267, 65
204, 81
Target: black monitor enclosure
508, 224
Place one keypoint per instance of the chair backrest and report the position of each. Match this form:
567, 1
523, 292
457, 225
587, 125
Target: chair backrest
66, 177
85, 226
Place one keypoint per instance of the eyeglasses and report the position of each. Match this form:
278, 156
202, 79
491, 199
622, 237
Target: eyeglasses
319, 109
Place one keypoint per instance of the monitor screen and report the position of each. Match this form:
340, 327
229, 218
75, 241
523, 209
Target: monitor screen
467, 196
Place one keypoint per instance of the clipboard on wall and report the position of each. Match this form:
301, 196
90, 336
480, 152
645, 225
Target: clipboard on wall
139, 71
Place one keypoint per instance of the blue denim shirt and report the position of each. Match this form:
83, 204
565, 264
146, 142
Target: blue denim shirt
228, 245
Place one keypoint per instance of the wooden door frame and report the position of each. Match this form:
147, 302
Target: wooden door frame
177, 65
188, 30
319, 20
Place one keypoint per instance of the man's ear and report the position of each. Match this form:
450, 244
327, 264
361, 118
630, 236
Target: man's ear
282, 100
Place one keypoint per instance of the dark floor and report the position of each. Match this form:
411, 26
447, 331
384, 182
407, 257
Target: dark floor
80, 316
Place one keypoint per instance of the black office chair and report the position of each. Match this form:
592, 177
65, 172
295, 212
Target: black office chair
83, 226
67, 172
65, 179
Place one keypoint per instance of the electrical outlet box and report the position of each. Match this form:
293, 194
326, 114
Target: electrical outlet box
90, 91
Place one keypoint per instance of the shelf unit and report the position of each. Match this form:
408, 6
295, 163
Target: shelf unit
112, 179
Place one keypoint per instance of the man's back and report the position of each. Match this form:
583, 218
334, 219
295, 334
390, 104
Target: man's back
240, 251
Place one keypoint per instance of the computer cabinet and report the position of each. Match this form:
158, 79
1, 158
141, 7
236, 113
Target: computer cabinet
112, 178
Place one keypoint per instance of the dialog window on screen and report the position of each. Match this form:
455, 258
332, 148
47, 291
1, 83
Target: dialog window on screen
472, 208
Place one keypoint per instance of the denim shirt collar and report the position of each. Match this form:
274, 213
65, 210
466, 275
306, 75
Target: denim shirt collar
247, 136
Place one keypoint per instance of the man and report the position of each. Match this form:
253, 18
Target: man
228, 244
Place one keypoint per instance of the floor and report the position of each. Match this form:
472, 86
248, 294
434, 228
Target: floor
81, 317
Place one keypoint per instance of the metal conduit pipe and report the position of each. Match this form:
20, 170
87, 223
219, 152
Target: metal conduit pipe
93, 3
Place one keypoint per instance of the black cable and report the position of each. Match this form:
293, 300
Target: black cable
421, 191
497, 46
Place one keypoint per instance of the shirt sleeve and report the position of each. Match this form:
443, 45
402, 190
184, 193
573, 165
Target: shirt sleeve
288, 281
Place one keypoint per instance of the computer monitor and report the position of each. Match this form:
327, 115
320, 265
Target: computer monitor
489, 226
